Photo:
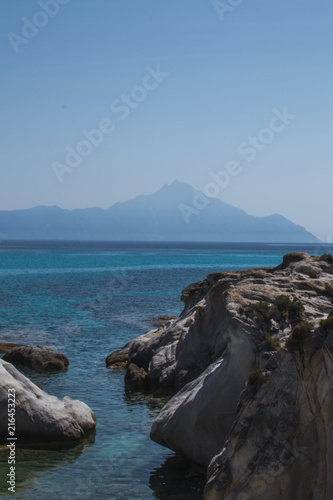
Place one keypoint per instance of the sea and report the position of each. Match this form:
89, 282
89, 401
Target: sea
85, 300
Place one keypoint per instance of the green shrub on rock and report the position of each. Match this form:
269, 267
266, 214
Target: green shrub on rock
329, 290
283, 302
262, 312
327, 258
296, 310
313, 275
289, 309
256, 379
327, 324
271, 343
300, 333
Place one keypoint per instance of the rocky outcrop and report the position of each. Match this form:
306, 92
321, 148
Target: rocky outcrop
38, 358
281, 444
234, 327
40, 417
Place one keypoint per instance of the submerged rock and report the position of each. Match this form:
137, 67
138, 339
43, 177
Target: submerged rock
235, 327
40, 417
39, 358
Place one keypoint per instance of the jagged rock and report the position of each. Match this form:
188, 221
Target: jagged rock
40, 417
39, 358
231, 325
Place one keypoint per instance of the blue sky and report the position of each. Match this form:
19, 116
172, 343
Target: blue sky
223, 77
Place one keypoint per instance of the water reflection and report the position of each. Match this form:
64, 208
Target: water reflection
175, 479
153, 403
34, 463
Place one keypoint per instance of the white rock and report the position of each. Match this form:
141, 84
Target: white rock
39, 416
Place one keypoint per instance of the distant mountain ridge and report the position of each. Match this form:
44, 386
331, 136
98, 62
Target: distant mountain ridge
176, 212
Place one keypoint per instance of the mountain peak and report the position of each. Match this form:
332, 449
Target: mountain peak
176, 212
176, 185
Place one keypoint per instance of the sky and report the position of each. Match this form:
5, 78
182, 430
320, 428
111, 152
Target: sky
103, 100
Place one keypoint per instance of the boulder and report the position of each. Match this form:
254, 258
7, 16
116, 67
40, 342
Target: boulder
38, 358
40, 417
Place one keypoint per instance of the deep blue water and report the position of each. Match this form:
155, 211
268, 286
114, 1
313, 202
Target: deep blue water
86, 300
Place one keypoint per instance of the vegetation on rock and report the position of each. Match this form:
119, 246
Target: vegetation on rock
329, 290
271, 343
256, 379
282, 310
299, 335
327, 258
327, 324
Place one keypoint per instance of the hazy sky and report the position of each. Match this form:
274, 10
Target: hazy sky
178, 89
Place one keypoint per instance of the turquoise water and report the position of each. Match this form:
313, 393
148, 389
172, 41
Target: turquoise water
86, 300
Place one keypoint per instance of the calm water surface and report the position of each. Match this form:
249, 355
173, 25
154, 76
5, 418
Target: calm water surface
86, 300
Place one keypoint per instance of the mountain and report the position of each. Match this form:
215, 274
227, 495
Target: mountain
176, 212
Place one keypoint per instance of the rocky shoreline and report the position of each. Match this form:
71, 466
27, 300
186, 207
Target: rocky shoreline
248, 369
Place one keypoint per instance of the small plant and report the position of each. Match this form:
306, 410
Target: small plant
271, 343
327, 258
289, 309
256, 379
263, 308
282, 302
299, 335
329, 290
312, 275
263, 312
259, 275
296, 310
327, 324
241, 310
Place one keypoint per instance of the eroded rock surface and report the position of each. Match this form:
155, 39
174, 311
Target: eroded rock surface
40, 417
233, 324
281, 445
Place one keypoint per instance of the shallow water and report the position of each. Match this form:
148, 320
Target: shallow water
86, 300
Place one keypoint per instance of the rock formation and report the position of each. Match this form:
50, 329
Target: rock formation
256, 340
38, 358
281, 444
40, 417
